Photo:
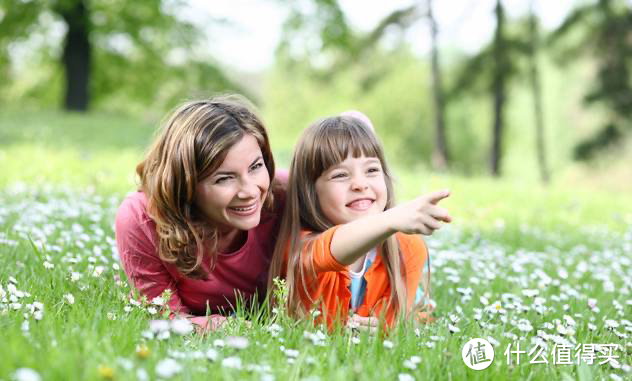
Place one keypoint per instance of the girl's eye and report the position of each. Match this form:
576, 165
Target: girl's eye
222, 179
338, 175
374, 170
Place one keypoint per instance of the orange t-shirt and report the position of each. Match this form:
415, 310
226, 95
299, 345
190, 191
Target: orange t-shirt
331, 288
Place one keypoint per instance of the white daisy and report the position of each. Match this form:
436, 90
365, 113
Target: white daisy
291, 353
410, 365
69, 299
611, 324
181, 326
237, 342
158, 325
168, 368
26, 374
212, 354
232, 362
453, 329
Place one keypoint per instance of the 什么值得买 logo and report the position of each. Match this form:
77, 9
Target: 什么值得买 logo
478, 354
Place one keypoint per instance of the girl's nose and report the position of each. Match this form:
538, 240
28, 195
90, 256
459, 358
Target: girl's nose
359, 184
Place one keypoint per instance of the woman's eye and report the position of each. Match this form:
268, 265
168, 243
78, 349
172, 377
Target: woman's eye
222, 180
256, 166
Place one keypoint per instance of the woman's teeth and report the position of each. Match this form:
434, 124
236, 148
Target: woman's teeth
245, 209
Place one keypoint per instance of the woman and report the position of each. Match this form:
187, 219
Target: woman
205, 220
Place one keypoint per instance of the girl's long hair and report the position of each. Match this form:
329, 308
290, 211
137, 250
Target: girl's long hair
326, 143
190, 146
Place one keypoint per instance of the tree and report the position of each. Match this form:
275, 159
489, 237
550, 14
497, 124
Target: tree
337, 47
499, 87
323, 37
77, 53
493, 69
117, 51
440, 156
601, 30
536, 91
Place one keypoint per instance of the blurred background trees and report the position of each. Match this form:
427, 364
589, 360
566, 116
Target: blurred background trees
602, 31
527, 103
112, 54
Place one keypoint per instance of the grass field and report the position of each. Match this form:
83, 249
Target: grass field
542, 267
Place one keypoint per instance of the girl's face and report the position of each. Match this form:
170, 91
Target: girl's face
352, 189
233, 195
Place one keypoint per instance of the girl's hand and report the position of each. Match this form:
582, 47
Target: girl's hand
421, 215
361, 323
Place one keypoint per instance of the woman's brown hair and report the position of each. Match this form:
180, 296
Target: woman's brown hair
190, 146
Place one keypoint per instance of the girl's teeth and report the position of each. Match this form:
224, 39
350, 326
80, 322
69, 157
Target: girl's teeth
361, 204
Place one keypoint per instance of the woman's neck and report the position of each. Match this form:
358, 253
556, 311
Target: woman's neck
231, 241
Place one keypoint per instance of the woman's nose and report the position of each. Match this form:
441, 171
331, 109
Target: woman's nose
248, 189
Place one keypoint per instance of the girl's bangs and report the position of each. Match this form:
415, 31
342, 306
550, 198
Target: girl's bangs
339, 137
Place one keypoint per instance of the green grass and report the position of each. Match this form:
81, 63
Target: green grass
63, 177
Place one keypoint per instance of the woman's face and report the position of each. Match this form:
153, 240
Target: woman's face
232, 197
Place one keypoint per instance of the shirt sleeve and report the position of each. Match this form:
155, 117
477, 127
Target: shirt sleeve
319, 247
415, 255
138, 251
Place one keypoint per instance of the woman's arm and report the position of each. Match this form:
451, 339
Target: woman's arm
145, 270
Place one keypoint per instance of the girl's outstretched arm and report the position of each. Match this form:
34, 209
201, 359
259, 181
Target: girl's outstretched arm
418, 216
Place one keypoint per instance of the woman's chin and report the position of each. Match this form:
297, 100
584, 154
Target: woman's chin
245, 222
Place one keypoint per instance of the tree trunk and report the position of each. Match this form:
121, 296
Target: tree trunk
440, 155
76, 56
537, 98
498, 90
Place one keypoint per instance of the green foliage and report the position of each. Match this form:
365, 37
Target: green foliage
318, 34
143, 55
396, 102
601, 30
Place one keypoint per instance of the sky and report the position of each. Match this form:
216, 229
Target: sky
247, 39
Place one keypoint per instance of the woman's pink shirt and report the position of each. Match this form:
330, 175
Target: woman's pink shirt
244, 271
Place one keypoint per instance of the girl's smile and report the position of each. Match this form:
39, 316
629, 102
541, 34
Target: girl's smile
361, 204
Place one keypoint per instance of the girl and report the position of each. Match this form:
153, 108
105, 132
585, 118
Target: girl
204, 221
343, 244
